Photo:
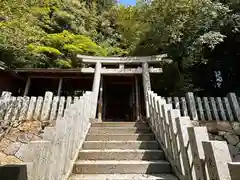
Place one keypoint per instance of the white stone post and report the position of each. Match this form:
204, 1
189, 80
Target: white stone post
38, 108
182, 124
24, 109
221, 108
53, 113
61, 107
184, 106
146, 85
161, 121
214, 109
46, 108
196, 136
31, 108
96, 88
192, 106
200, 108
207, 108
217, 156
228, 109
175, 161
234, 105
168, 145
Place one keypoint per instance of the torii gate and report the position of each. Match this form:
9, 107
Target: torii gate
143, 68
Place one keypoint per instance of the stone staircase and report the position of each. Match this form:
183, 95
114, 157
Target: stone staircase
121, 150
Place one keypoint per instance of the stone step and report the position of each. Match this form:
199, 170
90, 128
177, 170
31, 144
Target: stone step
120, 137
119, 130
123, 177
119, 154
120, 145
121, 167
120, 124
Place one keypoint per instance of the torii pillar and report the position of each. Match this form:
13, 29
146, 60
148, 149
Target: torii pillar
146, 85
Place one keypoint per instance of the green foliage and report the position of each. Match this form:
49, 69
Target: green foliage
44, 49
65, 45
195, 34
38, 33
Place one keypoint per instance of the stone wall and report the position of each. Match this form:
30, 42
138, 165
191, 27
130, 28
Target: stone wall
224, 131
16, 138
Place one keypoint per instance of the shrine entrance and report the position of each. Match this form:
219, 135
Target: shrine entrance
119, 98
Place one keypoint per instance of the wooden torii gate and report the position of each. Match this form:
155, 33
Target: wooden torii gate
143, 68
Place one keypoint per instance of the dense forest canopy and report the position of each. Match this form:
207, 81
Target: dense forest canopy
201, 36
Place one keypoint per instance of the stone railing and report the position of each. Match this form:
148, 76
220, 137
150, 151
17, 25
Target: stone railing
188, 148
207, 108
41, 108
52, 158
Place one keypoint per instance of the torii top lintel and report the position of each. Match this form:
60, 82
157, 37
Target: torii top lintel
123, 60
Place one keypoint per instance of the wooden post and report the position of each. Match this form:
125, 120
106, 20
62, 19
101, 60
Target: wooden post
100, 103
137, 98
104, 102
133, 102
27, 87
60, 87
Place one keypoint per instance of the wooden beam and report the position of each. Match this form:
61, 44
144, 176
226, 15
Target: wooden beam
57, 77
137, 98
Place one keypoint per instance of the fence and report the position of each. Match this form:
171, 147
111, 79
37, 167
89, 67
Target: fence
192, 155
39, 108
53, 157
207, 108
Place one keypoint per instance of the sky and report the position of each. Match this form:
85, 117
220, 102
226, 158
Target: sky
128, 2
